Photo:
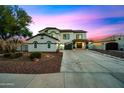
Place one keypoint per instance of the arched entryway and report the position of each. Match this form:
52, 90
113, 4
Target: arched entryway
79, 44
112, 46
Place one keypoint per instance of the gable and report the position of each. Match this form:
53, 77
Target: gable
49, 29
42, 39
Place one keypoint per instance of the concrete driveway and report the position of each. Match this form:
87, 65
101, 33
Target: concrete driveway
80, 69
86, 68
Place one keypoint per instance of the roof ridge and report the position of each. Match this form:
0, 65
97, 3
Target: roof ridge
61, 30
42, 34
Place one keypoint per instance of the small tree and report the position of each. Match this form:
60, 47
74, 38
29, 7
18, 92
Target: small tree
14, 21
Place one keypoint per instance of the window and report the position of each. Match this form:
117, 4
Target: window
79, 36
53, 33
35, 44
66, 36
49, 44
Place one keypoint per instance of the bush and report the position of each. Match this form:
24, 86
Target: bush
16, 55
35, 55
12, 55
7, 55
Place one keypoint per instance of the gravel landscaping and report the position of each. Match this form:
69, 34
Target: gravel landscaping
49, 63
112, 52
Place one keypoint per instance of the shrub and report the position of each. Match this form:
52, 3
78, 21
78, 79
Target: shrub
12, 55
18, 54
7, 55
35, 55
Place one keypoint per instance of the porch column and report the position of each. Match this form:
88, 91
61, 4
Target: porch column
75, 45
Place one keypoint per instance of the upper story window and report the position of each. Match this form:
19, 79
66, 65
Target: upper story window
53, 33
35, 44
66, 36
79, 36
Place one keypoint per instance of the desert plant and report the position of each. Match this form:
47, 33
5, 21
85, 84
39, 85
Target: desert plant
35, 55
16, 55
7, 55
12, 55
7, 46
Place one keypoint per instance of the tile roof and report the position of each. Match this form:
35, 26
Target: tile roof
74, 31
43, 35
64, 30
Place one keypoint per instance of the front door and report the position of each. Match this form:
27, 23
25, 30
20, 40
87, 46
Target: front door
79, 45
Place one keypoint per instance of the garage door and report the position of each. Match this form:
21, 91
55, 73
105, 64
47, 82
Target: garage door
68, 46
112, 46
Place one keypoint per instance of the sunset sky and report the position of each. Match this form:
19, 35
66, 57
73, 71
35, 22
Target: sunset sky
99, 21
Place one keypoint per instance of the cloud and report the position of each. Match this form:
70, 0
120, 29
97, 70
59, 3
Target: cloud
68, 21
99, 24
105, 30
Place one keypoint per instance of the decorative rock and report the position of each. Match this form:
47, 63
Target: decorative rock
36, 59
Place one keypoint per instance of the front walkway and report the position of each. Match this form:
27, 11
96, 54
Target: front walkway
80, 68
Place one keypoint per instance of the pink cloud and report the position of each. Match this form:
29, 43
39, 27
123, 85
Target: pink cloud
104, 31
66, 21
71, 21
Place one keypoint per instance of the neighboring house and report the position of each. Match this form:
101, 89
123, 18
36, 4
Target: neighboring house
50, 39
115, 42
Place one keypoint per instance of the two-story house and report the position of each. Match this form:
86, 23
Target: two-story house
50, 39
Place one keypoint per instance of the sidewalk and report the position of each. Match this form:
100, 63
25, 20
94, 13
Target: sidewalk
53, 80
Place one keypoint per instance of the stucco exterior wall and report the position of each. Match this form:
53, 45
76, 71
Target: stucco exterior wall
72, 36
44, 40
97, 46
42, 48
56, 34
42, 45
69, 40
121, 44
83, 34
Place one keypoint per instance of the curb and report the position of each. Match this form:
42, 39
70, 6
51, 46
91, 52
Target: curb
108, 55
